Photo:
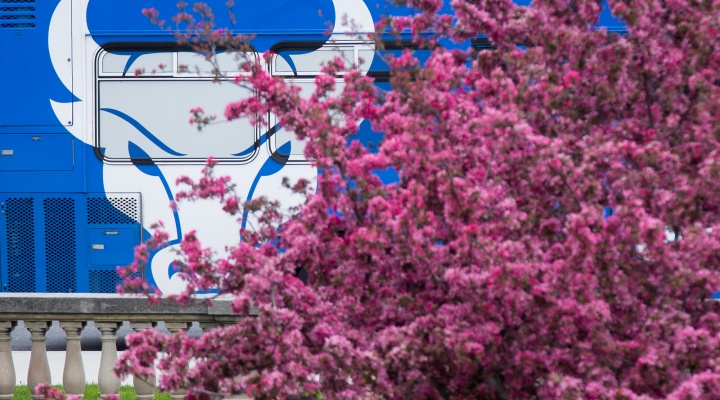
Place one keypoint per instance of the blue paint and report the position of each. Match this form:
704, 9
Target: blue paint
388, 176
368, 137
608, 212
106, 22
145, 164
26, 72
285, 55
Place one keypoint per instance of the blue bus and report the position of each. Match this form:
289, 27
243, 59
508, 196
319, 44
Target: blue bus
90, 150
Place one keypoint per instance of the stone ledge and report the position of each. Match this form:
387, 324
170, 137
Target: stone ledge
110, 307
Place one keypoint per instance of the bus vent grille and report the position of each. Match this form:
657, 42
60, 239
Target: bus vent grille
104, 281
60, 249
18, 16
114, 210
18, 9
20, 245
14, 17
17, 26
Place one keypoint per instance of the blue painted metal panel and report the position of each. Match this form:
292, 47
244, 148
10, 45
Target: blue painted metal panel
112, 246
36, 152
57, 167
45, 240
276, 17
25, 65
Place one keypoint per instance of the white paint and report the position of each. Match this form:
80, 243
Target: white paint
60, 48
358, 16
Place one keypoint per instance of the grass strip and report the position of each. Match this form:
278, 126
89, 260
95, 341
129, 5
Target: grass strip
92, 392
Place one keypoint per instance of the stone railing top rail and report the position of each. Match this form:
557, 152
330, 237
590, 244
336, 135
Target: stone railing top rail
110, 307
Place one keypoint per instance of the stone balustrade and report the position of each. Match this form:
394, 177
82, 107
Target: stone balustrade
108, 312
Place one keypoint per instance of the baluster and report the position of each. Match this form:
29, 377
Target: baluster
74, 371
207, 326
7, 367
107, 381
175, 327
145, 389
39, 369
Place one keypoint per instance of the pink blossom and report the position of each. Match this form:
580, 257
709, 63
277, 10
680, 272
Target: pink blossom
553, 233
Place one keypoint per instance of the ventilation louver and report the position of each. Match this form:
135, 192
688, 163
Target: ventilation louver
104, 281
19, 15
60, 238
113, 210
20, 245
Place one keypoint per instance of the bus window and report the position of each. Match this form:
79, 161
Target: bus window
305, 62
151, 110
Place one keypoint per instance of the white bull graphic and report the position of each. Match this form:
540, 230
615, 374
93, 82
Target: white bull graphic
147, 118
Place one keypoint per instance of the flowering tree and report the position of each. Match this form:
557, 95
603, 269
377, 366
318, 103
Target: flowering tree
553, 232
